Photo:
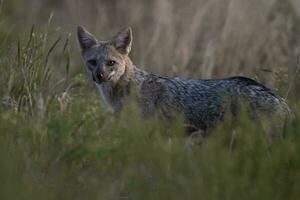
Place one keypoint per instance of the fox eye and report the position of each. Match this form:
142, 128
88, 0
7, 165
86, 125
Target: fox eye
110, 63
92, 62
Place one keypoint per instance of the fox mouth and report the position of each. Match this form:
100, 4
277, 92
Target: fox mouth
109, 78
99, 78
102, 79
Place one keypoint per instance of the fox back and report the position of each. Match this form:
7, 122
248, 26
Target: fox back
204, 103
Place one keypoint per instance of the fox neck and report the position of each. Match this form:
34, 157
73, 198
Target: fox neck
133, 75
113, 95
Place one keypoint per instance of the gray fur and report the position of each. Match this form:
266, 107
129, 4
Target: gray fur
204, 103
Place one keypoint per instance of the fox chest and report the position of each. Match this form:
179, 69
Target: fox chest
107, 96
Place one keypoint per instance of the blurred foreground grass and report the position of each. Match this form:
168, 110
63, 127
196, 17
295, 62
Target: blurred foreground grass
57, 141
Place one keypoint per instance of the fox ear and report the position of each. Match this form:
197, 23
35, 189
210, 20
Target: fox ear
86, 40
122, 41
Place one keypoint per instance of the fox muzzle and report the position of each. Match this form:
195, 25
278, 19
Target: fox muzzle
98, 76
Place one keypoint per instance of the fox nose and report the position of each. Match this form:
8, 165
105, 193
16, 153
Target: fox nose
98, 76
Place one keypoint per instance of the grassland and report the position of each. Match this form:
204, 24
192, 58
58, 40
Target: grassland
58, 141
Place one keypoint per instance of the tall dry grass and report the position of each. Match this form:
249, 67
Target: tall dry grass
196, 38
58, 141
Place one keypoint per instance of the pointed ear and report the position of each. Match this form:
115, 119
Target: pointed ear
122, 41
86, 40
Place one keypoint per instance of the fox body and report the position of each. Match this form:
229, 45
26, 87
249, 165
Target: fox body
203, 102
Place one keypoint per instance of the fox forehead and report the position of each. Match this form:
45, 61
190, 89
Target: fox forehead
103, 50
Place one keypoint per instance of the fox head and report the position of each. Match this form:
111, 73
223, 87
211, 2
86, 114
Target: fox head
106, 61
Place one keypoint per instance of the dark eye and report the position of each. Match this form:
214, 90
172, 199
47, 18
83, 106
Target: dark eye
92, 62
110, 63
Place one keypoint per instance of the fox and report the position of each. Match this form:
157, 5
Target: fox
203, 102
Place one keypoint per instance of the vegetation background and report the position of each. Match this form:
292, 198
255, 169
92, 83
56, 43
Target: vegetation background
58, 141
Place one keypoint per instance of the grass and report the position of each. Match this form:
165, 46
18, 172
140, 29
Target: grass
58, 141
61, 143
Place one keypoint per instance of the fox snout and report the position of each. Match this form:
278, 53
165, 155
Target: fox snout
99, 76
